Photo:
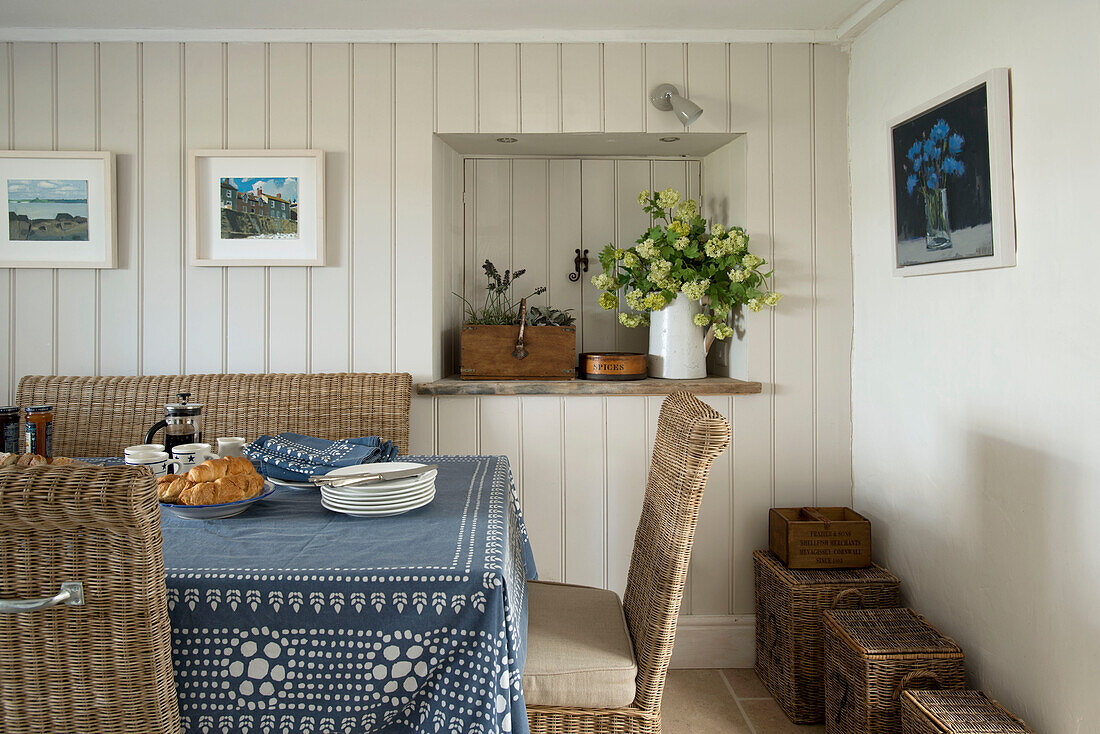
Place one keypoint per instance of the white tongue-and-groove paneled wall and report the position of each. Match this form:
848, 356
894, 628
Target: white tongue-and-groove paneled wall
580, 462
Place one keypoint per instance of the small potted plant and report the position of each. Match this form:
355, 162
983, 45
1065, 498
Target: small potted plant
504, 340
682, 281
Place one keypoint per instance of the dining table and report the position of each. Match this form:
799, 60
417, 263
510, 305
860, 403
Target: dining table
292, 618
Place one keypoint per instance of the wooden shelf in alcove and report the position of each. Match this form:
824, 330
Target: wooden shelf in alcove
650, 386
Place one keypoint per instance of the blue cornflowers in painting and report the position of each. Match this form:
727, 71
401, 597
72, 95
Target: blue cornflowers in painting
933, 160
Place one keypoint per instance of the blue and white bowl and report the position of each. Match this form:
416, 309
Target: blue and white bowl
219, 511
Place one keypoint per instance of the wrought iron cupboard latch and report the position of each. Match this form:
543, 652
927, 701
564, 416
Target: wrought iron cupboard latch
578, 261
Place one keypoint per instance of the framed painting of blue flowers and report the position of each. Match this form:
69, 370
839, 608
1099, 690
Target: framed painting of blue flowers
951, 163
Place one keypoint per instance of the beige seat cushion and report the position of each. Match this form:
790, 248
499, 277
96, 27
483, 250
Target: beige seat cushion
579, 652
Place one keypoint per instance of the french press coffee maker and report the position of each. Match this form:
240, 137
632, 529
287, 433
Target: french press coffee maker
182, 423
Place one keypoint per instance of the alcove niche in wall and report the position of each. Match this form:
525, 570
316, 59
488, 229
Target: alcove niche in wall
533, 203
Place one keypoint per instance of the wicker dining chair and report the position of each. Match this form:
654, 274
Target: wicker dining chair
593, 664
99, 416
104, 664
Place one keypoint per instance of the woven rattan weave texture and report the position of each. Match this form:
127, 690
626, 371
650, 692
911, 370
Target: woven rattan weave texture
104, 667
99, 416
871, 656
690, 434
956, 712
790, 657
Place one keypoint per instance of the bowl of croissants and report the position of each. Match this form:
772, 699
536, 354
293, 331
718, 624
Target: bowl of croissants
214, 489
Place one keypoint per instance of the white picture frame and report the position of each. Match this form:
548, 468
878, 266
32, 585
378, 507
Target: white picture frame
256, 236
45, 230
998, 198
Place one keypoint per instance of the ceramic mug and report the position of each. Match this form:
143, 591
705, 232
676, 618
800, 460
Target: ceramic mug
192, 454
232, 446
143, 448
156, 461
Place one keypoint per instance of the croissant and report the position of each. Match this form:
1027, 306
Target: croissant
169, 487
209, 470
232, 489
62, 461
239, 465
7, 459
30, 460
202, 493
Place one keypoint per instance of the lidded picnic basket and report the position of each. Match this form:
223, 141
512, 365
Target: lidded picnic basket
789, 639
872, 656
956, 712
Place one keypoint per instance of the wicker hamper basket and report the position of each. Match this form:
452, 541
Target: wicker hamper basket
871, 656
956, 712
789, 646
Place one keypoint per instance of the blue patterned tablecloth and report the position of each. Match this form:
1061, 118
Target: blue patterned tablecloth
291, 618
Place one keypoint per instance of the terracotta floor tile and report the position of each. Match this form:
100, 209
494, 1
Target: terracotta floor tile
768, 718
745, 684
698, 702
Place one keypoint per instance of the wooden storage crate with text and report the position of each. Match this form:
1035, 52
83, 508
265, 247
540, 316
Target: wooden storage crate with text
820, 537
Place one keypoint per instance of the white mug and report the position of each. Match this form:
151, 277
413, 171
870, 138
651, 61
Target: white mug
232, 446
156, 461
143, 448
192, 454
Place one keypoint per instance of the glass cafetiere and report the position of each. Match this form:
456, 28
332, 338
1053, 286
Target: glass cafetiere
182, 423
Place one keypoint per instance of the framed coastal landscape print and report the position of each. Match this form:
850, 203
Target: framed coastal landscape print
256, 207
951, 168
60, 209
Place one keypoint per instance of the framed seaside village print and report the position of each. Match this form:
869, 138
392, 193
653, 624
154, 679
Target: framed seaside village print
60, 207
256, 207
951, 167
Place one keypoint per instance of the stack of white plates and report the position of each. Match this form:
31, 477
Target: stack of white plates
381, 498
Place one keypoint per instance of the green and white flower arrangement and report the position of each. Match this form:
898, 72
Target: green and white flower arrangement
678, 255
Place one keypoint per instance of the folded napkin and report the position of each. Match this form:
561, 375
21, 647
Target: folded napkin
293, 457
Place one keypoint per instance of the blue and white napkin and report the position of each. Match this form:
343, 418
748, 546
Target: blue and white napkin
293, 457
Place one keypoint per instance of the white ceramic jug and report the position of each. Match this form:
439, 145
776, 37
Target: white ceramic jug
677, 347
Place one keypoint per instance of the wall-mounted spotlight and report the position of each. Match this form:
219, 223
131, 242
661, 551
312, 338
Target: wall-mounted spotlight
666, 97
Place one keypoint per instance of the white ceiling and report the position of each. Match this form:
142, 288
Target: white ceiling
442, 20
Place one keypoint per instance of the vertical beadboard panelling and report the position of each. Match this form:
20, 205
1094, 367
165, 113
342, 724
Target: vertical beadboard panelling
246, 304
456, 87
413, 119
542, 479
563, 209
77, 129
162, 231
7, 275
540, 88
832, 281
330, 330
708, 85
624, 95
627, 447
793, 252
664, 63
711, 557
120, 111
585, 491
631, 177
498, 87
204, 315
581, 87
456, 426
597, 229
752, 446
492, 217
498, 422
530, 229
288, 127
33, 298
372, 201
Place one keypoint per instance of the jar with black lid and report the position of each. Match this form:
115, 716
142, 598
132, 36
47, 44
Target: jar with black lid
9, 429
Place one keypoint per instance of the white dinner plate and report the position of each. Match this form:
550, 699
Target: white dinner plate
373, 494
376, 513
372, 505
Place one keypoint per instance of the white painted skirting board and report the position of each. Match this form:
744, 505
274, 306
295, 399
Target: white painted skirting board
715, 641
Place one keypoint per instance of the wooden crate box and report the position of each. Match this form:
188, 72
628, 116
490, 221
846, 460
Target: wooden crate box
789, 642
820, 537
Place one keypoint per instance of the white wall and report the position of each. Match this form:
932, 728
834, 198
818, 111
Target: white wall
976, 394
382, 301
